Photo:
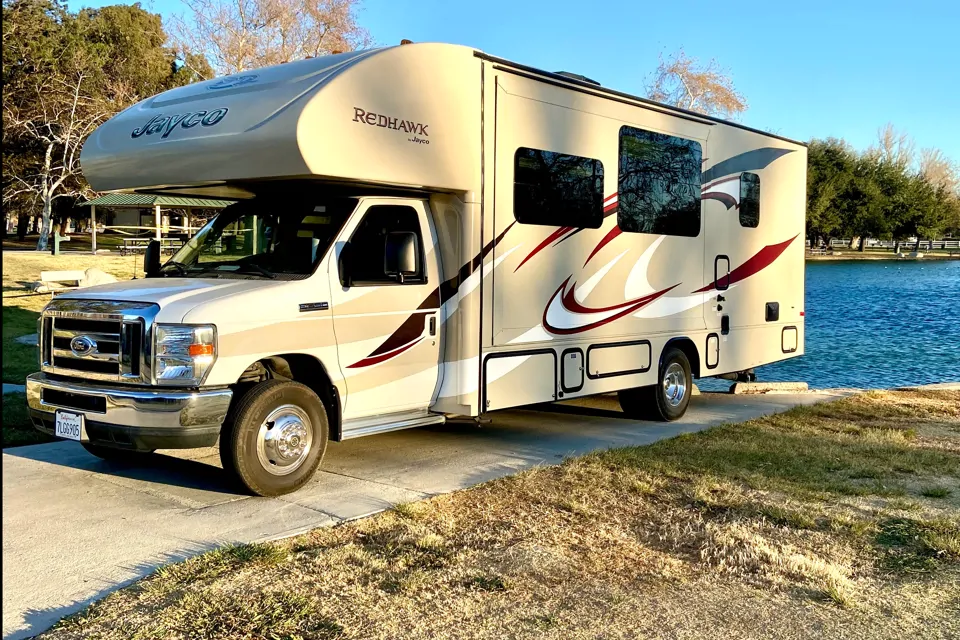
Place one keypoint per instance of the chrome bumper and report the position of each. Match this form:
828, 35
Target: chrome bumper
138, 409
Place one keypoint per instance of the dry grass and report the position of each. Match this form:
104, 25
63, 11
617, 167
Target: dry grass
811, 523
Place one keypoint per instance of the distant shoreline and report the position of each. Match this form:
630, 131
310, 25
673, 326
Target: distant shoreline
856, 255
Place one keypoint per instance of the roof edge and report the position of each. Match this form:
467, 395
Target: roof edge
600, 90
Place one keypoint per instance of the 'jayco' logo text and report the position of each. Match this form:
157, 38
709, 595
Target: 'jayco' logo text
167, 124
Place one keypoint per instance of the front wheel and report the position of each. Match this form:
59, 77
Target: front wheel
276, 438
669, 398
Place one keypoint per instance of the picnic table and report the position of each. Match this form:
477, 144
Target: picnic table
138, 245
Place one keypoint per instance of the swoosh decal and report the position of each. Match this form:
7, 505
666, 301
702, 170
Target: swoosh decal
565, 233
759, 261
406, 334
613, 233
565, 315
556, 235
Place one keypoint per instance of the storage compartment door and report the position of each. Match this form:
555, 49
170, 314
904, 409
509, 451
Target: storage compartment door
516, 379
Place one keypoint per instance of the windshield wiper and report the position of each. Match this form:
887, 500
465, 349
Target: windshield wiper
255, 267
179, 266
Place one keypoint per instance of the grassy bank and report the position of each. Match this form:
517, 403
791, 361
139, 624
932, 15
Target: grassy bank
841, 519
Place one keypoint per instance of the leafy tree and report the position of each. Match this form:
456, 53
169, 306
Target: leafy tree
830, 172
64, 74
881, 193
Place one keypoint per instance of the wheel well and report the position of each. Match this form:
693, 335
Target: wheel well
689, 349
301, 368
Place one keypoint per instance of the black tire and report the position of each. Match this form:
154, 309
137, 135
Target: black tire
113, 454
245, 452
655, 402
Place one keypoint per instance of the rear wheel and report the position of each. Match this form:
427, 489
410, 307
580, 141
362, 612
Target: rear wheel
276, 438
668, 399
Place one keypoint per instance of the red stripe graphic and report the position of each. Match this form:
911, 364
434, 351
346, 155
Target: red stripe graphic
369, 360
543, 245
761, 260
613, 233
565, 233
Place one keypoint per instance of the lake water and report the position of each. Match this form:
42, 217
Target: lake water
875, 324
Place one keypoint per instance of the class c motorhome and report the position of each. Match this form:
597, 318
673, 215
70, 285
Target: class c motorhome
418, 232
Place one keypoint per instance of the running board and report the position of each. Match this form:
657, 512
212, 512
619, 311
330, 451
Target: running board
381, 424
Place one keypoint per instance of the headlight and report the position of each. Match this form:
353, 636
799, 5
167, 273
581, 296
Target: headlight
183, 353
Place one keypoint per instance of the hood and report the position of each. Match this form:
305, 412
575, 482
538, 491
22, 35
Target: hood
176, 296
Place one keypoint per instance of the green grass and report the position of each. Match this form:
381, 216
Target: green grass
805, 452
19, 360
935, 492
17, 429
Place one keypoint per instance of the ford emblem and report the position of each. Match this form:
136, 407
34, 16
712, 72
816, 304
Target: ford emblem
83, 346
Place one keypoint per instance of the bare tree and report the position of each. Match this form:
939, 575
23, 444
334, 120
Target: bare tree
237, 35
686, 83
62, 117
940, 171
895, 147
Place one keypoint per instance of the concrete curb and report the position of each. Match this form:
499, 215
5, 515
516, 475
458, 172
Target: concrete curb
742, 388
937, 386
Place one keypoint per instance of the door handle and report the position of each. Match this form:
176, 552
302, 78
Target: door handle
433, 325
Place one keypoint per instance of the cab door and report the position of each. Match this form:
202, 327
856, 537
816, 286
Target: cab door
386, 319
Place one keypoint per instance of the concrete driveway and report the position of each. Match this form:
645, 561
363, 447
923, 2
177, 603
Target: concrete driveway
76, 527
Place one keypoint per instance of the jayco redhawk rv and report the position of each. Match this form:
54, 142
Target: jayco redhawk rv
420, 231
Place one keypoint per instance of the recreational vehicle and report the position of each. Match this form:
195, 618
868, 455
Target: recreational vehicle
419, 232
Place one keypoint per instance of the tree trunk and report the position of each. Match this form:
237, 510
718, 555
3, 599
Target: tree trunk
45, 226
23, 221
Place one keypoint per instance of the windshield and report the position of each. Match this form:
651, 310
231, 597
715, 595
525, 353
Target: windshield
262, 239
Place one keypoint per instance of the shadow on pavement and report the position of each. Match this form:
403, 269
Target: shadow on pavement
152, 468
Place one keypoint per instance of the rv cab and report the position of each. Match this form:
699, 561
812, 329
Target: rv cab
386, 260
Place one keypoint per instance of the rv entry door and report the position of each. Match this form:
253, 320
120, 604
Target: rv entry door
385, 314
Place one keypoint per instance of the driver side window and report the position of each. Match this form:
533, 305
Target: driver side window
366, 255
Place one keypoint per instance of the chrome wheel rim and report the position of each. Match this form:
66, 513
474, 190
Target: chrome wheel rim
284, 440
674, 384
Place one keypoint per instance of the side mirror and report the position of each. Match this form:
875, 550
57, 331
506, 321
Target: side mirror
400, 257
151, 259
343, 265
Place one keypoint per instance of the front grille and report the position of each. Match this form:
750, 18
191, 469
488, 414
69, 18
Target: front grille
98, 340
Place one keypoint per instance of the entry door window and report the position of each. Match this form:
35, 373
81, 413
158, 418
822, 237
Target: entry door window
368, 243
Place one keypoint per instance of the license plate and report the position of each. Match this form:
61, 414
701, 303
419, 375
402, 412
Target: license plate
69, 425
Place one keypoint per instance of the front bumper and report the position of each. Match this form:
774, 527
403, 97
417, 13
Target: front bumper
142, 419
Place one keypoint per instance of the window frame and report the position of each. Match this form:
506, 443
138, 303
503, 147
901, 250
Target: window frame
756, 221
626, 130
423, 277
596, 219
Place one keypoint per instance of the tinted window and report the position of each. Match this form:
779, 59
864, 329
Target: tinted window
368, 243
557, 189
749, 200
658, 188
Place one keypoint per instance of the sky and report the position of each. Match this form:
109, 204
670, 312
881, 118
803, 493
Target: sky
811, 69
